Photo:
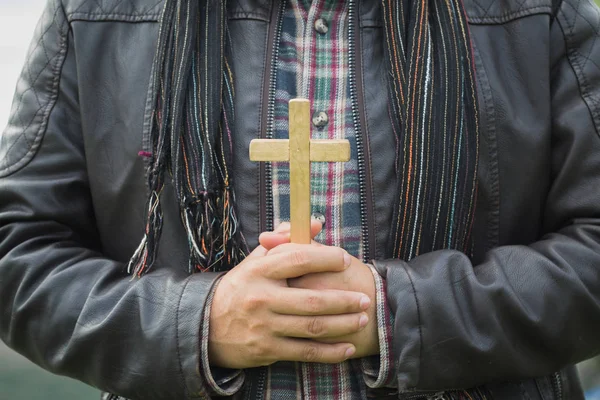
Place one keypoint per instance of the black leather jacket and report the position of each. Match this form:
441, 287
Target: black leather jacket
72, 200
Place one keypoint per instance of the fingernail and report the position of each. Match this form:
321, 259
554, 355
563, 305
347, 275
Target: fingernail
350, 352
347, 260
365, 302
363, 321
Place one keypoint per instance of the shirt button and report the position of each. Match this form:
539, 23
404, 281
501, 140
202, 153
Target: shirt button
321, 26
319, 217
320, 119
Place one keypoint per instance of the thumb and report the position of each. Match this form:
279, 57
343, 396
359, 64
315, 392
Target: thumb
281, 234
270, 240
315, 228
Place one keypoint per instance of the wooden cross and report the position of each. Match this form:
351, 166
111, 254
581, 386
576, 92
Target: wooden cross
299, 150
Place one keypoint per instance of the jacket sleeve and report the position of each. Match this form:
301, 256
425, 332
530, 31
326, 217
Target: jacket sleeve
63, 303
525, 311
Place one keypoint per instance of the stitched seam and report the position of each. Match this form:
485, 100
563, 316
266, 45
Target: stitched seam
521, 4
486, 11
11, 168
117, 4
33, 82
54, 88
185, 388
368, 155
592, 26
557, 9
264, 6
584, 89
103, 11
509, 16
480, 6
31, 88
586, 59
84, 3
249, 15
412, 284
494, 177
40, 43
148, 121
79, 16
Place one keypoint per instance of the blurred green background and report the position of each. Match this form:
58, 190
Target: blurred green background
19, 378
22, 380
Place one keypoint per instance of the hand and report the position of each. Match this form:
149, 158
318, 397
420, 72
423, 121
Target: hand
357, 278
256, 319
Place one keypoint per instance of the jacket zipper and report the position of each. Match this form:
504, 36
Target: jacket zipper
266, 132
362, 141
557, 385
266, 128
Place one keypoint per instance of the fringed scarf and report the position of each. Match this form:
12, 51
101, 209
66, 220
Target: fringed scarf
191, 137
434, 113
432, 103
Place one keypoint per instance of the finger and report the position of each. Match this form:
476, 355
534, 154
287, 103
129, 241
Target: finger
315, 228
294, 260
307, 302
302, 350
281, 234
259, 251
319, 327
270, 240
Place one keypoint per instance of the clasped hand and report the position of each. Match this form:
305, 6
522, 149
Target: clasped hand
290, 302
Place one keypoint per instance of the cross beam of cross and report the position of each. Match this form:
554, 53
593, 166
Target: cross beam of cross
300, 150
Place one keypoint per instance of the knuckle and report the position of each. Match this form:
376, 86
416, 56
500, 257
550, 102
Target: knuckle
316, 327
254, 302
259, 350
262, 268
312, 353
255, 267
351, 304
339, 255
314, 304
264, 352
256, 327
298, 258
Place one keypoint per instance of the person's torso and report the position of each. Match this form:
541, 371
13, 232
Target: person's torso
115, 46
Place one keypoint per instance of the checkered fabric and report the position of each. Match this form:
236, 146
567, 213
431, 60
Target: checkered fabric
315, 66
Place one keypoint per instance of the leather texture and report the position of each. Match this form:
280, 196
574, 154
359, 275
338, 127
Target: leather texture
73, 198
32, 105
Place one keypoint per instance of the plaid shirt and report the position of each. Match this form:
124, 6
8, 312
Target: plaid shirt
314, 65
